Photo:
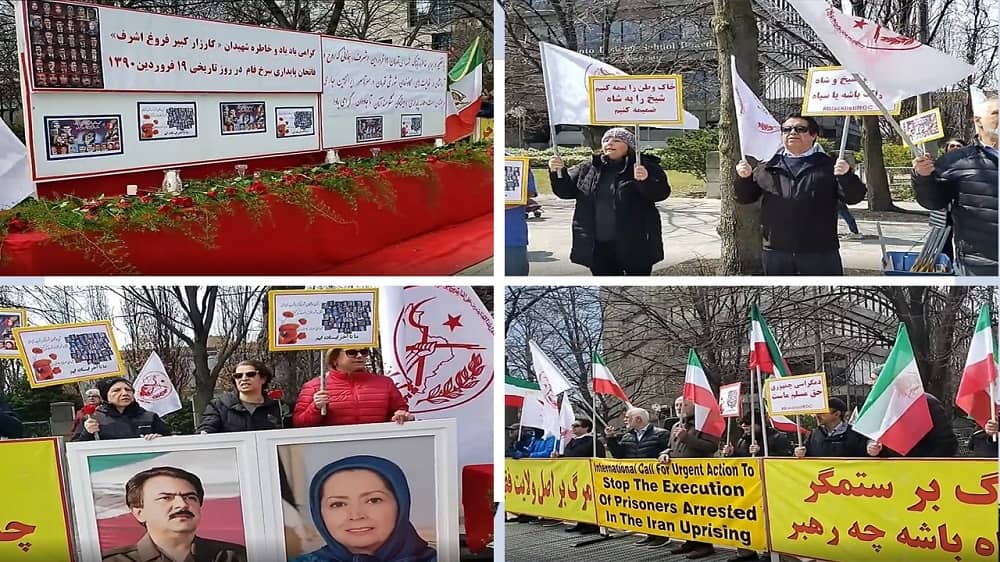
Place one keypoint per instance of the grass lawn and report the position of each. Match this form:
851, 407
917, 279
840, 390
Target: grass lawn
681, 184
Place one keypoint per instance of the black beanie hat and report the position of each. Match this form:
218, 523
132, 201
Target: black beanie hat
105, 385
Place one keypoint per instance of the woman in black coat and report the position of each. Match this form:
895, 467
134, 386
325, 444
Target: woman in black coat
247, 409
616, 226
120, 417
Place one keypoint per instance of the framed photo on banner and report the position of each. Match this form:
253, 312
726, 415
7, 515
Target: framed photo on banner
730, 403
412, 469
322, 318
515, 175
216, 475
68, 353
11, 318
924, 127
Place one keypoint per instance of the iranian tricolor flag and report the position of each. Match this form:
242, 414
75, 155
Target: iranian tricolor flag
465, 93
896, 412
516, 389
765, 355
605, 382
707, 416
980, 374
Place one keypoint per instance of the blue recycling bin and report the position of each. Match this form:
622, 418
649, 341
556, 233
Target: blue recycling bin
903, 261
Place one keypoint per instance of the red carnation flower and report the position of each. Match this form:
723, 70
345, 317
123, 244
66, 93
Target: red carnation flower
212, 193
257, 187
431, 158
276, 394
146, 198
231, 190
17, 224
163, 209
88, 409
183, 202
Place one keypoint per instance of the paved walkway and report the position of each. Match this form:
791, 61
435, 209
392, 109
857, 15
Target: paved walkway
689, 232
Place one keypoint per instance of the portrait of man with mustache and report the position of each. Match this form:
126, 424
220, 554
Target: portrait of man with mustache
168, 501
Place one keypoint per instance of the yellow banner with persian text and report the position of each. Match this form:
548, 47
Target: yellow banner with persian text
719, 501
555, 489
34, 520
885, 509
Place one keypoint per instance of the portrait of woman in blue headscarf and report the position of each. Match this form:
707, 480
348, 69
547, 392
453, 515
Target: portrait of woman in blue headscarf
361, 507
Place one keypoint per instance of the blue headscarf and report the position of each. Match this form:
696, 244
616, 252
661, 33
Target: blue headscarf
403, 545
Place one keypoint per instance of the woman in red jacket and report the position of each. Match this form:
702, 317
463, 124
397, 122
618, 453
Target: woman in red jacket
353, 394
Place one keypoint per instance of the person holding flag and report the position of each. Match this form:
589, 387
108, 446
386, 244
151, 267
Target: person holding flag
977, 391
800, 189
833, 436
247, 409
965, 180
616, 225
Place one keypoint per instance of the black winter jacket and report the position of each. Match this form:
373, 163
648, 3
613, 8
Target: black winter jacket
799, 213
227, 414
982, 446
639, 240
653, 442
10, 424
966, 179
847, 444
583, 447
133, 422
778, 445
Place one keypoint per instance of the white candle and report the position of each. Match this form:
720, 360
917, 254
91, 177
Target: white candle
132, 189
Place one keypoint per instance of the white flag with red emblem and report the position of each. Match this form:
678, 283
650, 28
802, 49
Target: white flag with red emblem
154, 390
760, 133
566, 419
707, 416
897, 66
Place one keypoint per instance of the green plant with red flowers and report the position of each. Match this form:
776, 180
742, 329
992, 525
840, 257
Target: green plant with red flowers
92, 226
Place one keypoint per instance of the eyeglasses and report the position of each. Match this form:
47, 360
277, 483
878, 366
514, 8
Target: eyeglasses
247, 374
356, 352
797, 129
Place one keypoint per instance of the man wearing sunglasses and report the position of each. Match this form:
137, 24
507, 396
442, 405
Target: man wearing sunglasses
799, 190
351, 394
966, 180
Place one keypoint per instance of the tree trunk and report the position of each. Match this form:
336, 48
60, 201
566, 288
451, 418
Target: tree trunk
204, 382
739, 225
879, 198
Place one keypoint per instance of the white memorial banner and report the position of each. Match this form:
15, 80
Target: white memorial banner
373, 91
127, 50
653, 100
832, 90
323, 318
800, 394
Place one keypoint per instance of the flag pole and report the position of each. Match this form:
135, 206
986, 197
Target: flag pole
798, 428
763, 416
548, 107
753, 435
885, 113
593, 405
843, 136
322, 381
993, 407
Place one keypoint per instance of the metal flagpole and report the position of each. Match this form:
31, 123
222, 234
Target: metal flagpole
548, 107
843, 137
763, 416
753, 436
885, 113
322, 381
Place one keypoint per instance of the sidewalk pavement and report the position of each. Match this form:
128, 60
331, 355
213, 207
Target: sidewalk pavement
689, 232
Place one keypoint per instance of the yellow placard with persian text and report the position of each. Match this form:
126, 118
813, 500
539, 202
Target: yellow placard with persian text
34, 519
884, 509
719, 501
551, 488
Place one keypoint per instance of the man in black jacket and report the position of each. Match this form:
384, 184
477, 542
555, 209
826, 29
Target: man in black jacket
966, 179
642, 440
982, 444
10, 424
616, 226
833, 436
799, 189
582, 445
940, 441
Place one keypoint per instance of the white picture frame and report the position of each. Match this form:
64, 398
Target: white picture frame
387, 440
81, 482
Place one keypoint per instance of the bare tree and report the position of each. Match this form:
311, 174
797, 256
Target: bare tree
146, 335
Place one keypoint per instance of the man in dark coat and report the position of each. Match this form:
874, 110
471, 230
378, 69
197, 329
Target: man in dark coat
833, 436
941, 441
982, 444
642, 440
582, 445
686, 442
616, 226
10, 424
966, 179
799, 190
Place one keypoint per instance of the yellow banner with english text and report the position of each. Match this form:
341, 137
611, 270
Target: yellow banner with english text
883, 509
34, 519
718, 501
551, 488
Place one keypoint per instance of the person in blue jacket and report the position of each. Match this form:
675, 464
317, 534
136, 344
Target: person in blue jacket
516, 235
361, 507
542, 448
